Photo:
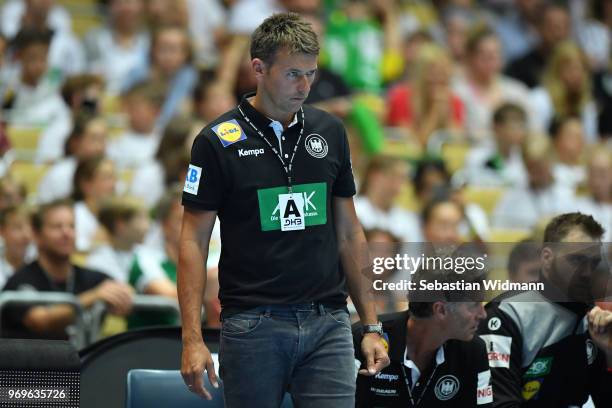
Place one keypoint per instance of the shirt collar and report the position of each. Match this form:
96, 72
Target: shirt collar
261, 121
439, 357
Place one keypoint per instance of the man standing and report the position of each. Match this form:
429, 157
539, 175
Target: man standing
436, 359
546, 349
279, 177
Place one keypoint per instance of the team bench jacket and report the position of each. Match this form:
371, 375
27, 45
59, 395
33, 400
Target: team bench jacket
541, 355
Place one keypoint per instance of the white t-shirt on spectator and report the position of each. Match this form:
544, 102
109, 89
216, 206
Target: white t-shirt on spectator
205, 16
42, 106
246, 15
148, 182
511, 174
400, 222
86, 225
569, 176
523, 208
544, 112
479, 112
133, 149
12, 13
57, 182
111, 261
112, 60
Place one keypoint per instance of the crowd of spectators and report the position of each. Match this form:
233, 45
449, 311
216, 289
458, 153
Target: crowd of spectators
442, 99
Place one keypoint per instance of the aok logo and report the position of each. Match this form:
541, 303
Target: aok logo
315, 205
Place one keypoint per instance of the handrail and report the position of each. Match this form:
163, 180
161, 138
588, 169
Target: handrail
77, 337
139, 303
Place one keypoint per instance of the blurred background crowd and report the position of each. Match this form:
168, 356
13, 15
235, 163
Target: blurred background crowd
469, 120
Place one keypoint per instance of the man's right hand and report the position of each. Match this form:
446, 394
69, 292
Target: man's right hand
195, 359
118, 296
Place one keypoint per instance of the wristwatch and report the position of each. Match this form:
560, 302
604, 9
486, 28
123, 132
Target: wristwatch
373, 328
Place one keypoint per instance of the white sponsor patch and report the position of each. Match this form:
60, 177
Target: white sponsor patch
484, 392
192, 180
494, 323
498, 349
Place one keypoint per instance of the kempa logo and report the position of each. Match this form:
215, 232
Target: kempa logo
315, 205
446, 387
251, 152
388, 377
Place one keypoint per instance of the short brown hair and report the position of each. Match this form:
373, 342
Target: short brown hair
38, 216
118, 209
6, 212
150, 91
283, 30
558, 228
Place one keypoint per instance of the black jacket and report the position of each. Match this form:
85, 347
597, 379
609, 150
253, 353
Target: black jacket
461, 377
541, 355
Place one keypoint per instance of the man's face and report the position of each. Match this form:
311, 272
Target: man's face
16, 233
527, 271
465, 317
600, 177
57, 237
443, 224
33, 63
286, 82
555, 26
574, 265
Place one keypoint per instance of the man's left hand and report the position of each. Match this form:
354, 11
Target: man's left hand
600, 328
374, 353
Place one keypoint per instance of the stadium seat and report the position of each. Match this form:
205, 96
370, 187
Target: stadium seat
30, 174
454, 155
485, 197
24, 141
166, 389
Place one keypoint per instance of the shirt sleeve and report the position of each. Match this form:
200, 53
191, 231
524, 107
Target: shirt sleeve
484, 388
344, 186
503, 342
204, 182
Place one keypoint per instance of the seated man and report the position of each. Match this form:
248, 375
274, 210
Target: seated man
544, 349
53, 226
436, 359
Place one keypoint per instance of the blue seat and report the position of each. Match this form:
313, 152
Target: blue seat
166, 389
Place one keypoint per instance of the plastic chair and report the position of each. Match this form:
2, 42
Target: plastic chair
166, 389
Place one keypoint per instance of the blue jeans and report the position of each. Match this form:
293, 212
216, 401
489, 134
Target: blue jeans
305, 350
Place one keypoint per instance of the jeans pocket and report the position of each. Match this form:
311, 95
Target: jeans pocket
340, 316
241, 323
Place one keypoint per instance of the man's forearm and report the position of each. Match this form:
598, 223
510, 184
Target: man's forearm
191, 282
355, 259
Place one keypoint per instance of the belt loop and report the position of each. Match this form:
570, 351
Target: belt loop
321, 309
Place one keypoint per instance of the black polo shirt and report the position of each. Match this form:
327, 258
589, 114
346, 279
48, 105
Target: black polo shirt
33, 277
461, 377
235, 172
